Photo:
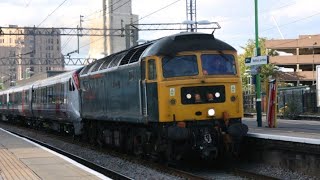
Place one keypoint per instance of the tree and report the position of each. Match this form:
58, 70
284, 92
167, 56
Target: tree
265, 70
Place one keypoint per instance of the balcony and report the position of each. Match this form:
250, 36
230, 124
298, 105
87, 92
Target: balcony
293, 60
295, 76
282, 44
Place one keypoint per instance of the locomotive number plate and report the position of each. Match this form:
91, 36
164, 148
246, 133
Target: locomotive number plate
172, 91
233, 88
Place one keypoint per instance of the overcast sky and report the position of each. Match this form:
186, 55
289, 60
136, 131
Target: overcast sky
236, 17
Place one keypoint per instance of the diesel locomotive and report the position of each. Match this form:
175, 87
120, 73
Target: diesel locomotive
165, 97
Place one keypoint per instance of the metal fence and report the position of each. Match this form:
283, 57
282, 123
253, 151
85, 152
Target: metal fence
291, 101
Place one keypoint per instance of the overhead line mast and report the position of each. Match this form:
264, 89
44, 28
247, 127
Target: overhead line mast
191, 10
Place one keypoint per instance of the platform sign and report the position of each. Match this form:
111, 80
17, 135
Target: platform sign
318, 84
258, 60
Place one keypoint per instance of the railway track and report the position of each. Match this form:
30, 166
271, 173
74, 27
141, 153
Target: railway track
252, 175
176, 172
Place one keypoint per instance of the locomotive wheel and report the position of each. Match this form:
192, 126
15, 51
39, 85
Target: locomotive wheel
129, 142
93, 133
100, 138
138, 142
137, 145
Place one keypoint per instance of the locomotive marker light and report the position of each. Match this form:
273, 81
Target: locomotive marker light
217, 94
188, 96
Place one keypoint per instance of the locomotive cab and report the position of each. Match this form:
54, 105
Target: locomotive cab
196, 93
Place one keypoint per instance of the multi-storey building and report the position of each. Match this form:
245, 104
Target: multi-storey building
118, 15
26, 53
301, 55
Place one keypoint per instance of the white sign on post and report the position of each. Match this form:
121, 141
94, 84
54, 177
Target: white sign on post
318, 85
256, 62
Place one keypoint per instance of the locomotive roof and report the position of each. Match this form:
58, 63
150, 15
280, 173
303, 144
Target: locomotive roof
166, 46
173, 44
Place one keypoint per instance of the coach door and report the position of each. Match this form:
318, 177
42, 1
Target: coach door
149, 90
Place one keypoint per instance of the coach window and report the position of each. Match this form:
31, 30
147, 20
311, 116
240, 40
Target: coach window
50, 95
71, 85
26, 96
62, 94
152, 70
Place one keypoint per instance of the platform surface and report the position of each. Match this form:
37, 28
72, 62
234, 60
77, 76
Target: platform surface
306, 131
22, 159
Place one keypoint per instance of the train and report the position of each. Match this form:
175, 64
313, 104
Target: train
162, 98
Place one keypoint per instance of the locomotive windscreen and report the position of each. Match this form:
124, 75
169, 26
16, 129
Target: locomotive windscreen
179, 66
218, 64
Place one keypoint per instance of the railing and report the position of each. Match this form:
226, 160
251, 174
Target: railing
291, 102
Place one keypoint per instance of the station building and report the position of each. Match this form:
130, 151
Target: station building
299, 55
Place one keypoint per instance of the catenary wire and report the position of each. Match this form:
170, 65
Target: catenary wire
52, 12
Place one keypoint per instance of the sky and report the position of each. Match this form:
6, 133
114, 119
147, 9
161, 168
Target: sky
277, 18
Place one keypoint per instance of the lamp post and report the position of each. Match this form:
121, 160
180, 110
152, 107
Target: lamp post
315, 43
258, 80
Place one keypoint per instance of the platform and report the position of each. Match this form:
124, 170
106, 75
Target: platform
302, 131
23, 159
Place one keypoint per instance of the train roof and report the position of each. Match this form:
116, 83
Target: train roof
166, 46
60, 78
171, 45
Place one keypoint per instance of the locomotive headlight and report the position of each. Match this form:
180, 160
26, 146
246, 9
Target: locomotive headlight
217, 94
188, 96
211, 112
